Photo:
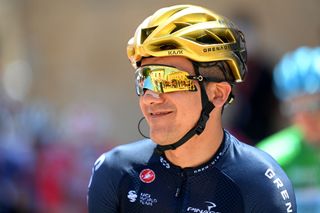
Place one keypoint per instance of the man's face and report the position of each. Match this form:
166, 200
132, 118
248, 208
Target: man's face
170, 115
306, 115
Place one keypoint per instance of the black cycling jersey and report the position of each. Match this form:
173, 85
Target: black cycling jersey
134, 178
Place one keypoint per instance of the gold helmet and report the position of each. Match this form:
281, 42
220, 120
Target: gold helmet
193, 32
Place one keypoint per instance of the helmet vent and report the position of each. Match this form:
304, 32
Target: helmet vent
179, 26
207, 39
168, 47
146, 32
217, 37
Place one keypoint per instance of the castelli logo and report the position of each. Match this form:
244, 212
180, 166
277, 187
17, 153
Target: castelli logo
147, 176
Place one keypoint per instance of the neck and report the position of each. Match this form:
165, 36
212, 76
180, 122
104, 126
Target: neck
200, 148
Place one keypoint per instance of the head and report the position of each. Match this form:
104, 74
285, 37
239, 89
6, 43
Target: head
187, 58
297, 85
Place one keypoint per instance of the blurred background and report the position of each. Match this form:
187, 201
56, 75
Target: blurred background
67, 90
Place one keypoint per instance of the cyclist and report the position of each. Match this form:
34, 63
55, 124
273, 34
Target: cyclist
297, 147
187, 58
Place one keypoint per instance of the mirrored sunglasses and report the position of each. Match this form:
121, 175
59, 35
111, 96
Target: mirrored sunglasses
163, 79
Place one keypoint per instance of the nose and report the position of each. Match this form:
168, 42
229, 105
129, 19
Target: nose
151, 97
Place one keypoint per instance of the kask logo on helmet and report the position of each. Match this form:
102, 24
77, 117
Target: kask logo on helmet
175, 52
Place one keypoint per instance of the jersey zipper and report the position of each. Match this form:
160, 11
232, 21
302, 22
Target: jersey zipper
180, 191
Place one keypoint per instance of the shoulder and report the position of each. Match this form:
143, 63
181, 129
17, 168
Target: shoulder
111, 166
110, 169
259, 178
245, 161
247, 156
125, 155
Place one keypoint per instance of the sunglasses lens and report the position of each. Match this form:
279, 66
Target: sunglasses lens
162, 79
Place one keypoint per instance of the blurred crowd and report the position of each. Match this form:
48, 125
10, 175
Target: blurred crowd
45, 164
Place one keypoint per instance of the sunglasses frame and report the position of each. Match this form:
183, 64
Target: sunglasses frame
162, 84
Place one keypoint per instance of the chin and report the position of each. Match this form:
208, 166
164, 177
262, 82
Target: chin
157, 139
163, 139
160, 138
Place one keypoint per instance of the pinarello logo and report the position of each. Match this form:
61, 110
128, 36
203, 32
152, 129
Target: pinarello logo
147, 176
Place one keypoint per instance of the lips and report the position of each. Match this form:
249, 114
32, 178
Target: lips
155, 114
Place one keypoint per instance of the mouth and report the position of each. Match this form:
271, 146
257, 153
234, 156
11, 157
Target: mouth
159, 114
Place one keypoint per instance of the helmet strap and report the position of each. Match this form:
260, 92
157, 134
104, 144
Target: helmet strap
207, 107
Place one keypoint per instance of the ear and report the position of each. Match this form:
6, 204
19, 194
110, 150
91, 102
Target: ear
218, 93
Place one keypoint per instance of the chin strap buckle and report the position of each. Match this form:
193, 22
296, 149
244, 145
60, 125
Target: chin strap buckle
201, 125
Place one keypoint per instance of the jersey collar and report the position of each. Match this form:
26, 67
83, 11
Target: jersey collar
199, 169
